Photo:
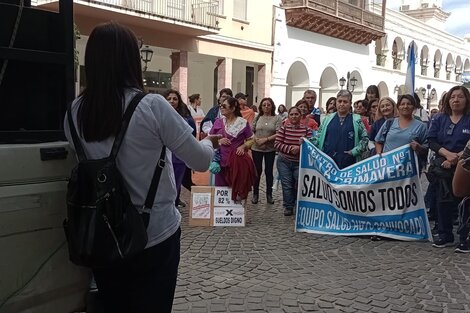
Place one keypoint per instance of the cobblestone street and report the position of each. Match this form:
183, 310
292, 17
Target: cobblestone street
267, 267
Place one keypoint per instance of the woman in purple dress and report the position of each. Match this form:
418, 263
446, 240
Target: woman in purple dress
235, 131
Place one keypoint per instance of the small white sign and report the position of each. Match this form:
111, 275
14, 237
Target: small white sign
223, 196
201, 205
229, 216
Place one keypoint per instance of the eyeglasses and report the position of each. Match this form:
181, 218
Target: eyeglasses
172, 98
450, 129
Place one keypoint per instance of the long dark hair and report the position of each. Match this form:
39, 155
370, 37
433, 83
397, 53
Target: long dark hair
181, 108
112, 64
372, 89
273, 107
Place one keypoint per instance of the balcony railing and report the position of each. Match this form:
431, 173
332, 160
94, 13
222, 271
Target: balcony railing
342, 9
338, 18
195, 12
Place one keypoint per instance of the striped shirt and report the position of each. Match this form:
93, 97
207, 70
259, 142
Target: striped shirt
288, 137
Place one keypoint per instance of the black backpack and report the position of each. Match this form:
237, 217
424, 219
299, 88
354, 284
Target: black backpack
103, 226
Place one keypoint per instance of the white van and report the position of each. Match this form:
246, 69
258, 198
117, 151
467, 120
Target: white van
36, 81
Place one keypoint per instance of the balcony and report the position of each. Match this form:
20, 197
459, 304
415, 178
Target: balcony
336, 18
189, 17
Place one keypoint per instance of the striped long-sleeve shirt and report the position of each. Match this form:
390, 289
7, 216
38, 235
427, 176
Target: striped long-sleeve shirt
288, 137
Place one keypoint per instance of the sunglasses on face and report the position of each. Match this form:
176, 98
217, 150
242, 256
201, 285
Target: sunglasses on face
266, 104
172, 98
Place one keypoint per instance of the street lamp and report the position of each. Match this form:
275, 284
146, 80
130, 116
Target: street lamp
428, 96
348, 81
146, 55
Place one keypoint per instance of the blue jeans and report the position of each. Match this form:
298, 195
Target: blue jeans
289, 173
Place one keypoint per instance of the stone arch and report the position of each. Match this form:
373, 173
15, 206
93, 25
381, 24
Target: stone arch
359, 88
409, 49
398, 52
328, 85
458, 68
381, 50
437, 63
297, 82
466, 71
450, 65
424, 60
383, 89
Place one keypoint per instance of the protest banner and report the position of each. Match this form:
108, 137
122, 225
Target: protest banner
213, 206
378, 196
200, 206
226, 211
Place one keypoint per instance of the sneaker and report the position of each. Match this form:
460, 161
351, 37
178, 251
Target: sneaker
463, 247
181, 204
288, 212
442, 243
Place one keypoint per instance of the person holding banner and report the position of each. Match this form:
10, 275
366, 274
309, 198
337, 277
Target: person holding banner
342, 135
403, 130
288, 140
447, 136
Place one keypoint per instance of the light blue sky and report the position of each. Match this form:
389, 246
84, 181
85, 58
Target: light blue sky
458, 22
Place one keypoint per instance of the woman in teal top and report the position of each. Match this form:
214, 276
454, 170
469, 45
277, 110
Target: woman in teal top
404, 129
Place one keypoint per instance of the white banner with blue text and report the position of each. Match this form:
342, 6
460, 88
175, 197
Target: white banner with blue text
380, 195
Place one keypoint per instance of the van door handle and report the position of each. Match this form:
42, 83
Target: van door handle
53, 153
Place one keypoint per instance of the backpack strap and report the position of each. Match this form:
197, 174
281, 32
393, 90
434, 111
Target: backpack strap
388, 124
125, 123
73, 131
154, 185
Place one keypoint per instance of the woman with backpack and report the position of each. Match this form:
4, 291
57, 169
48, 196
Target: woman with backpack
145, 281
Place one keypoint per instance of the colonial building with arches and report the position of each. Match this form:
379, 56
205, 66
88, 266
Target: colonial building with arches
314, 48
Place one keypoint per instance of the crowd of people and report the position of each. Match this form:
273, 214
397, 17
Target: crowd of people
348, 132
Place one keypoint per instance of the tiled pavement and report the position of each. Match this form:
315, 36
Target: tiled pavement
267, 267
